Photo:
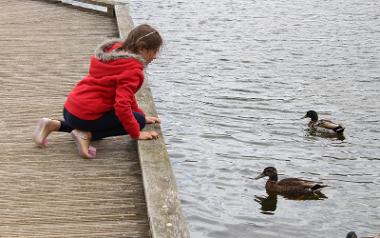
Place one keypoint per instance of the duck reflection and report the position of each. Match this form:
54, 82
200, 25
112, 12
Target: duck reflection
269, 203
325, 135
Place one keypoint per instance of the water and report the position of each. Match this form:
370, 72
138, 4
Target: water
230, 86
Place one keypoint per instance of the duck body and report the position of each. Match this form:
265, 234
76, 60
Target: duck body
323, 125
289, 186
293, 186
352, 234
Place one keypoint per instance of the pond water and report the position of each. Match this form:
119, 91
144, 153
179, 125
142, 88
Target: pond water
231, 85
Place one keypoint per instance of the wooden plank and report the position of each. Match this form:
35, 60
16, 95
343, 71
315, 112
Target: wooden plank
164, 208
52, 192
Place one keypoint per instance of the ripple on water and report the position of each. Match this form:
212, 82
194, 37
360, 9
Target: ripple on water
231, 96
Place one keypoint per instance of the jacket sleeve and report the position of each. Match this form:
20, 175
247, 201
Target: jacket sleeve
127, 86
136, 108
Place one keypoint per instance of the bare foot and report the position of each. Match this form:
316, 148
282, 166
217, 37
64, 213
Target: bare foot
44, 127
82, 140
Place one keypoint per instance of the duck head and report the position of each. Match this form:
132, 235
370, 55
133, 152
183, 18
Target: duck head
312, 115
271, 172
351, 234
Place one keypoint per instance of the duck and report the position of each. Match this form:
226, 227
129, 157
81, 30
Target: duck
323, 125
289, 186
352, 234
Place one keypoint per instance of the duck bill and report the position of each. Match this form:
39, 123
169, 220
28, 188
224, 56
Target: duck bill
303, 117
260, 176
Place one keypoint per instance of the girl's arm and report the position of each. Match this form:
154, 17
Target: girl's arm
125, 104
135, 106
125, 100
152, 120
148, 119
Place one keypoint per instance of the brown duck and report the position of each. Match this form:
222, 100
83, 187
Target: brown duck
323, 125
288, 186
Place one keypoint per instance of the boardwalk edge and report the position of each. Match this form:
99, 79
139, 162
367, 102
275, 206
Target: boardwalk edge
164, 208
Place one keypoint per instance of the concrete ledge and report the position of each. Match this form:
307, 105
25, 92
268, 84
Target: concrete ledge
124, 19
164, 208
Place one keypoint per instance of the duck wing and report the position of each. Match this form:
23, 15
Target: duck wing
327, 124
295, 182
296, 185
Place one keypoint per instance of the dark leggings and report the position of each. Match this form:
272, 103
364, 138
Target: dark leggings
105, 126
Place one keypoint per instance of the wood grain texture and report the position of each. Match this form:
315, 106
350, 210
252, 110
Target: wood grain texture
53, 192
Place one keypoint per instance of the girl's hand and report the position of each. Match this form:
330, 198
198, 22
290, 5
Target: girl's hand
148, 135
152, 120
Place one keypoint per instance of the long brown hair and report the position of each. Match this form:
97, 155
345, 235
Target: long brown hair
142, 36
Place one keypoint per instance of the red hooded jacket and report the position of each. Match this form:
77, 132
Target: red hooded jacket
114, 78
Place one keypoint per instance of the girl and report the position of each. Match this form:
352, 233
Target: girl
103, 103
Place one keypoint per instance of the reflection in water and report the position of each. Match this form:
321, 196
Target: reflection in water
325, 135
269, 203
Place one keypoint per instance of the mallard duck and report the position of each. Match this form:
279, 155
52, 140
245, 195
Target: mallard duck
288, 186
323, 125
352, 234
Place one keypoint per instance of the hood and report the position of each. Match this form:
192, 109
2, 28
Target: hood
106, 52
107, 61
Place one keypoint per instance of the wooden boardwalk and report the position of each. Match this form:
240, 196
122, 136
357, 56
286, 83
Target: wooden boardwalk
52, 192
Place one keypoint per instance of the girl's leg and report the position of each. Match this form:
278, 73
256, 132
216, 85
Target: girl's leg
87, 130
80, 135
105, 126
44, 127
82, 140
102, 130
65, 127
